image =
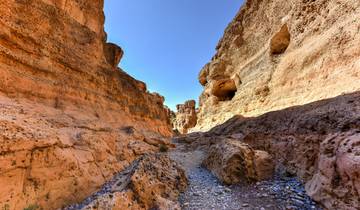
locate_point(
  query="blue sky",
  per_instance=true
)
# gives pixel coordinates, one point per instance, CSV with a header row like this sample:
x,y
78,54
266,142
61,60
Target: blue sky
x,y
167,42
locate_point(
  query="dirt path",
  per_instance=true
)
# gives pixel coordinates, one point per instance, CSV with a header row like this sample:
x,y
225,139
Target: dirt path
x,y
205,192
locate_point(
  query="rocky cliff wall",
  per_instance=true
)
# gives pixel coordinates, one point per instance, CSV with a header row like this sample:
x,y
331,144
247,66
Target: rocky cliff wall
x,y
70,118
277,54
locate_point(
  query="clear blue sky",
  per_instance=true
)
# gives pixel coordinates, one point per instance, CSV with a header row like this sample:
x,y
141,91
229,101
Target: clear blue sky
x,y
167,42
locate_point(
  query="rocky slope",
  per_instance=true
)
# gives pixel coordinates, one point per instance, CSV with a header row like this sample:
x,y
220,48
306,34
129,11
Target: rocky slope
x,y
151,182
70,119
276,54
318,142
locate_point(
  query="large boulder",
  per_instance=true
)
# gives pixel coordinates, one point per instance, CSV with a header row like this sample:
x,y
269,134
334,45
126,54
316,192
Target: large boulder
x,y
233,162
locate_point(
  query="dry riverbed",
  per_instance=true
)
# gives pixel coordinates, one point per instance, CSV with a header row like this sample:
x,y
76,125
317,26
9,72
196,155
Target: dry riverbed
x,y
205,192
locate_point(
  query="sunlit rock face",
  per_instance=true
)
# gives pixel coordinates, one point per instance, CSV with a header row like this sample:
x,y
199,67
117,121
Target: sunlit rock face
x,y
277,54
185,117
69,118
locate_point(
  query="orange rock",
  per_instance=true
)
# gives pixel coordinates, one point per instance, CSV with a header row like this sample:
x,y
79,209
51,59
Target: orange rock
x,y
69,118
153,182
185,117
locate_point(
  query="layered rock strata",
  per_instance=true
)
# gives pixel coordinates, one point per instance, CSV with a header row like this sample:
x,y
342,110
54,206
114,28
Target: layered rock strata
x,y
70,118
317,142
185,117
276,54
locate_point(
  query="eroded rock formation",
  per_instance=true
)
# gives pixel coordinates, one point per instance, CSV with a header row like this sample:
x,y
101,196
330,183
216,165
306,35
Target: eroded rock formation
x,y
69,118
277,54
185,117
152,182
317,142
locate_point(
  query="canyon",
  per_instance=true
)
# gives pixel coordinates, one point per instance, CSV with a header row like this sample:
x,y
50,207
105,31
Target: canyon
x,y
280,110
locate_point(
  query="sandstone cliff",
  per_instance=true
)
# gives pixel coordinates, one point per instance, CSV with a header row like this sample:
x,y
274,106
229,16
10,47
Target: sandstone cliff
x,y
185,117
69,118
277,54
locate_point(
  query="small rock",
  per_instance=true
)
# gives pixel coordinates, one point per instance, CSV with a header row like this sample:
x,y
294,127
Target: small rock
x,y
245,205
227,190
196,194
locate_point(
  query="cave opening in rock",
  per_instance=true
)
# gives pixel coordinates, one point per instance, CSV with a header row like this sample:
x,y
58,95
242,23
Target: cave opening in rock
x,y
224,89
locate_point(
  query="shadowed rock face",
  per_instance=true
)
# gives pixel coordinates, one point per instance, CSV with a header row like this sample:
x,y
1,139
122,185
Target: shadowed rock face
x,y
282,53
69,118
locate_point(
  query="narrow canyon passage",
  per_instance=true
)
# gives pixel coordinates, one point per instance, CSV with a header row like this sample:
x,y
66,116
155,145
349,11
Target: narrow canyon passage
x,y
205,192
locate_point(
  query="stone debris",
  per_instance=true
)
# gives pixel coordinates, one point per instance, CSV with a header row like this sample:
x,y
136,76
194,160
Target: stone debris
x,y
206,192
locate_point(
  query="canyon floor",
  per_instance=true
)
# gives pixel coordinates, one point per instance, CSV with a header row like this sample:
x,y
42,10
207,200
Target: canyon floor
x,y
206,192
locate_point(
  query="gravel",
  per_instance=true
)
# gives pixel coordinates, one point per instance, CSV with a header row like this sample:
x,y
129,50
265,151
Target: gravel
x,y
205,192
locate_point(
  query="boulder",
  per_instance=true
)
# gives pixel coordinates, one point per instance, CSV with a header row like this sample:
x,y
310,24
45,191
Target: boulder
x,y
113,54
233,162
203,75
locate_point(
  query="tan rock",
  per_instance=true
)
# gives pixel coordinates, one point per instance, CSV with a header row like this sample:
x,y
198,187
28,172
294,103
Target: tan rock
x,y
234,162
203,75
281,40
286,53
185,117
153,182
224,89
